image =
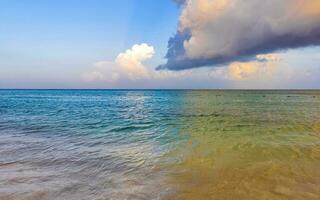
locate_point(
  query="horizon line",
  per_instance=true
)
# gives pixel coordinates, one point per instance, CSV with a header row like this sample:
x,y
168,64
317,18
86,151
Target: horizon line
x,y
126,89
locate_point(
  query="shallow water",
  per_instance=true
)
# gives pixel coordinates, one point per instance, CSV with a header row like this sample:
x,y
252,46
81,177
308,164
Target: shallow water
x,y
112,144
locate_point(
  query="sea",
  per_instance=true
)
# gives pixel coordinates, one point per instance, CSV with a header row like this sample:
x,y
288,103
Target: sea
x,y
159,144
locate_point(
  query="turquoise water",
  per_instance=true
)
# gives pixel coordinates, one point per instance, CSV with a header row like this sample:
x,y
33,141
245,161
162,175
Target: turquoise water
x,y
158,144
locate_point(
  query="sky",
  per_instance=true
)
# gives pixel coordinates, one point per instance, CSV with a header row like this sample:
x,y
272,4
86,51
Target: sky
x,y
161,44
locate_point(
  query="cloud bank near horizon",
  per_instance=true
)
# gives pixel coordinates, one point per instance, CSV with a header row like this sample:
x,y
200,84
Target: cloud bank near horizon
x,y
291,69
220,32
129,66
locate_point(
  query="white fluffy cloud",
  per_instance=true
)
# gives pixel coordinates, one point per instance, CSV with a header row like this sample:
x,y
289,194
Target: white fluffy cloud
x,y
127,65
131,61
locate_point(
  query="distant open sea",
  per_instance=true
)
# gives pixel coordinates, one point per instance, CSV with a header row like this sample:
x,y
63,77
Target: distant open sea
x,y
159,144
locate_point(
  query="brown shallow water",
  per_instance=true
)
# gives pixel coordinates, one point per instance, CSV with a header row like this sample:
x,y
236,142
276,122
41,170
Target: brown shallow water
x,y
249,146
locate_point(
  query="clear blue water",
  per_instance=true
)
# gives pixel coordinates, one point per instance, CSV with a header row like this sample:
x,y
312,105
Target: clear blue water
x,y
113,144
72,143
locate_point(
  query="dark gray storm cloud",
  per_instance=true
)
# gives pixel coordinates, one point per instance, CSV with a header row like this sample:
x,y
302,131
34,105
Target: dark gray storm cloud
x,y
217,32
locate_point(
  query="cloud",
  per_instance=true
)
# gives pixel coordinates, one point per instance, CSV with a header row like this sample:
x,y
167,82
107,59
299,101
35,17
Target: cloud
x,y
131,60
127,65
262,68
291,69
105,71
217,32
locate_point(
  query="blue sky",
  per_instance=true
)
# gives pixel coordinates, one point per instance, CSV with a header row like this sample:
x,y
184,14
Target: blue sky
x,y
57,44
41,38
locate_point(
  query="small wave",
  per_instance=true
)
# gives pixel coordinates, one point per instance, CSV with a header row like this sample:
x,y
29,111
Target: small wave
x,y
130,128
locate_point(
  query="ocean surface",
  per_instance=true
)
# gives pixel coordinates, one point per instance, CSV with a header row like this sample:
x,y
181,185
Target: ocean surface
x,y
159,144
